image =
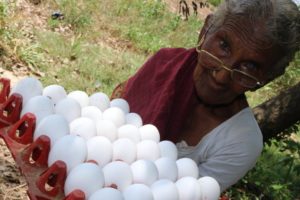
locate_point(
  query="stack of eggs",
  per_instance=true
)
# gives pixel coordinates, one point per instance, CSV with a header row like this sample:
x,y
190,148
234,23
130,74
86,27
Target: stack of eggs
x,y
108,151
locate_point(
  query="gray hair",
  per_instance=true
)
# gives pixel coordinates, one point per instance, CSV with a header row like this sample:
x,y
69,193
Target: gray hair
x,y
281,19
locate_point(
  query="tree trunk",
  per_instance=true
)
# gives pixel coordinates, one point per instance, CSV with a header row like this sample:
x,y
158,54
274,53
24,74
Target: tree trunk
x,y
279,113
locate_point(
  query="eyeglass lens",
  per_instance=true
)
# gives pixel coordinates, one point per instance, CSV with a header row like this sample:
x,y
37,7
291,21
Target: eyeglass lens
x,y
242,78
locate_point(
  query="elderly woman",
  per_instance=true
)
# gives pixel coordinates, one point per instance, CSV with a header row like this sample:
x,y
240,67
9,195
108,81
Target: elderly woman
x,y
195,97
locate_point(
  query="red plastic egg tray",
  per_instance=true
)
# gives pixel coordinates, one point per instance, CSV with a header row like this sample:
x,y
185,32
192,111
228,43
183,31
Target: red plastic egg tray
x,y
44,183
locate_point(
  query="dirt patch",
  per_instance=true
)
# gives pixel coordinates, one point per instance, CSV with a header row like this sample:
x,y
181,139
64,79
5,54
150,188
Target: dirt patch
x,y
12,183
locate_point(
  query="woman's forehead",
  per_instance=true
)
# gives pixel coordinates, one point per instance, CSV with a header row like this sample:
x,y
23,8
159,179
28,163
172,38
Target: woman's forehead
x,y
253,35
253,38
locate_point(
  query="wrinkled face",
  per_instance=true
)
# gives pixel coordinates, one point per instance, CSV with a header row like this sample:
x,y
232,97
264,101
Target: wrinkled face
x,y
239,46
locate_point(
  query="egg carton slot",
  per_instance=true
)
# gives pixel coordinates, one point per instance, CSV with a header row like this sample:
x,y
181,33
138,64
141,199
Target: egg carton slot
x,y
44,183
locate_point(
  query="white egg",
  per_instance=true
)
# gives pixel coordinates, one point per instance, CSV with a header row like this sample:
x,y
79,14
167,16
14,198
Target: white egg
x,y
70,149
188,188
54,126
100,150
69,108
114,114
210,188
81,97
149,132
106,194
120,103
28,88
134,119
164,189
55,93
187,167
100,100
84,127
137,192
92,112
144,171
107,129
124,150
129,131
147,149
117,174
168,149
87,177
40,106
167,168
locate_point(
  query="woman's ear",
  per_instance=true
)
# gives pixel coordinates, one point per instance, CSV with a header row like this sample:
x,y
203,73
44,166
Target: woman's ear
x,y
205,27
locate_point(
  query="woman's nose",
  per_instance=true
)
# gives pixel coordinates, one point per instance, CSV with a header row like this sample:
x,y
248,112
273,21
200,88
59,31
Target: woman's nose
x,y
222,76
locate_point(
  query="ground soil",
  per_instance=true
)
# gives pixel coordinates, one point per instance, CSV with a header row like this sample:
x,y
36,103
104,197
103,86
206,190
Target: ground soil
x,y
12,183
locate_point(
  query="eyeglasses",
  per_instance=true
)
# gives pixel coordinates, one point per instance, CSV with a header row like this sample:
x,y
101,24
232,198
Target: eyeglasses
x,y
238,76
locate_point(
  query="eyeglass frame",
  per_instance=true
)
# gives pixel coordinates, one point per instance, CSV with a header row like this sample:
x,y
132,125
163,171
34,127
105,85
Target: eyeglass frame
x,y
223,66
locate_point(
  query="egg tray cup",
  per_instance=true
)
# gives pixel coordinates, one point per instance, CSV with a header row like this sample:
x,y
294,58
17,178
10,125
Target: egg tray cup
x,y
44,183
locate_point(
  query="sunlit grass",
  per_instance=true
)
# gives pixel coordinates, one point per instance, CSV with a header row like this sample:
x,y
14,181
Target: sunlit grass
x,y
85,66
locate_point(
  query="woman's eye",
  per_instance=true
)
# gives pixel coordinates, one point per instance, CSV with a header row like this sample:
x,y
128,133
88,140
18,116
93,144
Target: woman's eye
x,y
224,45
248,66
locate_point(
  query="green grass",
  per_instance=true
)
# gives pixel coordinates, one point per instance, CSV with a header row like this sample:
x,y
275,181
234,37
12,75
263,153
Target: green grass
x,y
214,2
77,13
85,66
149,26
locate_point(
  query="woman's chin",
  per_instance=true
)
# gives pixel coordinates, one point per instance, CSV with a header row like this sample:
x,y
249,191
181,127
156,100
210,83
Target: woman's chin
x,y
213,99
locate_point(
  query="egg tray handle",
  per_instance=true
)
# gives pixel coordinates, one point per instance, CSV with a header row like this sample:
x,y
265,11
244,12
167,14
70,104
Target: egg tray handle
x,y
44,183
5,89
10,106
10,110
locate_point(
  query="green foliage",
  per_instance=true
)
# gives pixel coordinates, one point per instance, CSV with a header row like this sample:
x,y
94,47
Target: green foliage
x,y
2,17
59,46
276,175
96,74
151,9
215,2
30,55
5,32
150,26
83,66
158,33
53,23
77,13
2,25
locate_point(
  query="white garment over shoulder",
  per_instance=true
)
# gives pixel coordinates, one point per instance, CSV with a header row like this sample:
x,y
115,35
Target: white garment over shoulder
x,y
229,151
